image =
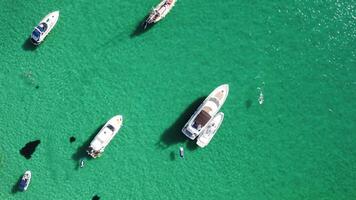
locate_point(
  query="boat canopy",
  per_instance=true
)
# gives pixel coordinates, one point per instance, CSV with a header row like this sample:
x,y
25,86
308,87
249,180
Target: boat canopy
x,y
36,34
200,121
23,183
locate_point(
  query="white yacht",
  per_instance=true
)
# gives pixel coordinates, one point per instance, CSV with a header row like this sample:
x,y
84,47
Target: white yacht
x,y
160,11
25,181
204,138
105,135
44,27
206,111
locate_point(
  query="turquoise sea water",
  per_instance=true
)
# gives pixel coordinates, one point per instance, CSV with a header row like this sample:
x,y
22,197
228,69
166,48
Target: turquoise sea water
x,y
299,144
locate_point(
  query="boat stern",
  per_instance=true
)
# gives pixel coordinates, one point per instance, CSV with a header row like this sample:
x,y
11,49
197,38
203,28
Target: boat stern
x,y
201,144
34,42
93,153
188,131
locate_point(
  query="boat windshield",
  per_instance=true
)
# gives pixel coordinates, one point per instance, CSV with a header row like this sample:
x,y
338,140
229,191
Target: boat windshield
x,y
42,27
215,100
111,127
200,121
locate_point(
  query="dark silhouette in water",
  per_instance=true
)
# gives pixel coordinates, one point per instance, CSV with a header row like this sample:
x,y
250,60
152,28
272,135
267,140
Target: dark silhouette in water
x,y
72,139
29,148
37,86
191,145
28,46
173,134
172,155
15,187
141,27
96,197
81,151
248,103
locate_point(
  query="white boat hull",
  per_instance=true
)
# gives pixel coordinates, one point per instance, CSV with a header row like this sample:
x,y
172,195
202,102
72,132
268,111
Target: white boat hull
x,y
49,22
209,108
205,138
25,181
160,11
104,136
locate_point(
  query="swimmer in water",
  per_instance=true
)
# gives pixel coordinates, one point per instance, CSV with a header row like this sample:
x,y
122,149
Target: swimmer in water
x,y
81,163
181,152
261,97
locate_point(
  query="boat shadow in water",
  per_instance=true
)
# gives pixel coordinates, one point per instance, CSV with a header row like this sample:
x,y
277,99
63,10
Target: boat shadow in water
x,y
141,28
28,46
248,103
173,134
172,155
192,145
81,151
15,187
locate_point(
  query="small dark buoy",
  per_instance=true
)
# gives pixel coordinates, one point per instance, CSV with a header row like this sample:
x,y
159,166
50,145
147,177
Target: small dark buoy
x,y
181,152
96,197
72,139
29,148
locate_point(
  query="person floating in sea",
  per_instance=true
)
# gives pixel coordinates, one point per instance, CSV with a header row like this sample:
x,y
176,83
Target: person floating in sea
x,y
81,164
261,97
181,152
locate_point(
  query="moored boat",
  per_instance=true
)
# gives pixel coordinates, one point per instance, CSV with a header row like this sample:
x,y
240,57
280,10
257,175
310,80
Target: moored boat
x,y
41,31
159,12
25,181
104,136
208,134
205,112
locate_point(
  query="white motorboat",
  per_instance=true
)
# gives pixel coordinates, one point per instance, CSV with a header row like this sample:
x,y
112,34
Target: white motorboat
x,y
204,138
160,11
44,27
105,135
206,111
25,181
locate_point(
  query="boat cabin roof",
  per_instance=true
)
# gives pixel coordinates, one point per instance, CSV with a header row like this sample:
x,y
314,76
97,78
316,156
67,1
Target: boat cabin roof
x,y
105,135
202,118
